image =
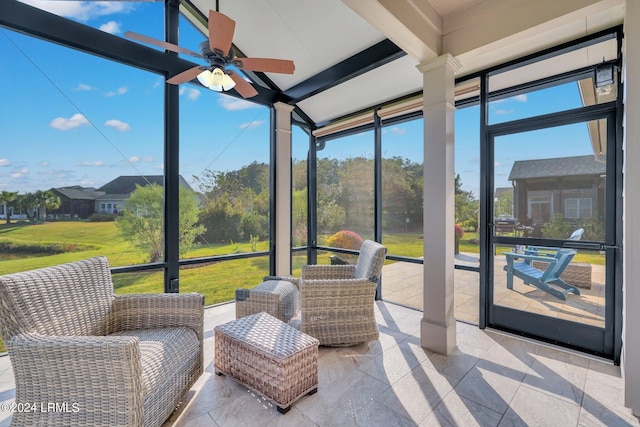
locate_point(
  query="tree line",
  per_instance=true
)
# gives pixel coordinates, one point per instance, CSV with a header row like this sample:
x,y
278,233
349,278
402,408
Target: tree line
x,y
235,205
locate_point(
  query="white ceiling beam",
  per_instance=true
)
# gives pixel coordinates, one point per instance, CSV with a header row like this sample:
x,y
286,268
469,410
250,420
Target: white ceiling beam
x,y
413,25
507,21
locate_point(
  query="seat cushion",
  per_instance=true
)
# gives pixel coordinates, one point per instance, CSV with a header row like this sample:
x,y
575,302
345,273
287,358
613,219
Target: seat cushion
x,y
164,353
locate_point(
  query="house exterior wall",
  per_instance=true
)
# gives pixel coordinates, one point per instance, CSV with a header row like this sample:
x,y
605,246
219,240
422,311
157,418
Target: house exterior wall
x,y
111,206
72,209
557,192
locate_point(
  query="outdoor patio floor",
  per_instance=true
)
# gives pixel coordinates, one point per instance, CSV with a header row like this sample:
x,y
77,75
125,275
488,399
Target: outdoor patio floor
x,y
402,283
491,379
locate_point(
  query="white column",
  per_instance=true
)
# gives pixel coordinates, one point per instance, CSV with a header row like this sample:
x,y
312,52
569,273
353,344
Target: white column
x,y
438,326
631,209
282,233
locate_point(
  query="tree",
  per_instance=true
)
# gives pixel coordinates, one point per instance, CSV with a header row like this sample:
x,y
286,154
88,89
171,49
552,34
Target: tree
x,y
46,200
27,203
142,220
466,205
236,203
8,199
504,204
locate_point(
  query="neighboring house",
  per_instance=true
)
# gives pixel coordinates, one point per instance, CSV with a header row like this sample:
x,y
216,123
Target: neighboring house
x,y
79,202
76,202
116,192
572,186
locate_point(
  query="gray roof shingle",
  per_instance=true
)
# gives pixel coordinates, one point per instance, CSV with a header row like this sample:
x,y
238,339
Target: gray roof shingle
x,y
127,184
557,167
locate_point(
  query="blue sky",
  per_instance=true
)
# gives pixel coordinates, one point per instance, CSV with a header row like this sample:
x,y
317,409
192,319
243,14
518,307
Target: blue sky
x,y
69,118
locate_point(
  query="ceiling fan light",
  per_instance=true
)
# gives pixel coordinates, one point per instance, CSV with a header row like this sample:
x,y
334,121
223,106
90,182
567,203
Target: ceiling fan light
x,y
217,88
227,82
217,77
205,78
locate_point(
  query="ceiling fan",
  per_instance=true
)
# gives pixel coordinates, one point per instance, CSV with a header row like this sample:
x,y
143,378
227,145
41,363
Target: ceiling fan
x,y
219,53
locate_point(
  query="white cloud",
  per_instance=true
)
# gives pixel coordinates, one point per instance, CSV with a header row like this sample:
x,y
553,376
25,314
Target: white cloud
x,y
117,124
81,10
96,163
120,91
111,27
44,164
159,167
191,93
521,98
133,159
4,162
503,111
19,173
235,104
251,125
398,130
148,159
496,164
72,122
83,87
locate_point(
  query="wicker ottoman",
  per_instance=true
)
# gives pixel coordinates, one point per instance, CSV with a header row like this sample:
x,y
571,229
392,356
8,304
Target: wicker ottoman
x,y
279,298
268,356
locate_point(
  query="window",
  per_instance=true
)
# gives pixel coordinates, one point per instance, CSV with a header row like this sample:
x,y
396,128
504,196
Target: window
x,y
539,208
578,208
345,190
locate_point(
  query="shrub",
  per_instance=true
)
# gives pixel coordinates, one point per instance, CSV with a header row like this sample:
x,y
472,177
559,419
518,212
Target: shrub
x,y
43,248
345,239
102,217
470,225
593,229
557,228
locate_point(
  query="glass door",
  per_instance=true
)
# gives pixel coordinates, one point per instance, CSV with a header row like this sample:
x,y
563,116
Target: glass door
x,y
552,235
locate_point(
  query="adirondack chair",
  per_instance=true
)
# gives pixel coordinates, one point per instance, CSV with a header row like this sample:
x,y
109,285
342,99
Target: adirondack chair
x,y
519,265
549,280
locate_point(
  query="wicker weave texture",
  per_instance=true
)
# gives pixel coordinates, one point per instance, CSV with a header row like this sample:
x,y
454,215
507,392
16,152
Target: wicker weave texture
x,y
279,298
61,353
267,356
337,304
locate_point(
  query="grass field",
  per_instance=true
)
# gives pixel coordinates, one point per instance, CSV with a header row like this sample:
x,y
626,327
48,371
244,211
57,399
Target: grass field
x,y
216,281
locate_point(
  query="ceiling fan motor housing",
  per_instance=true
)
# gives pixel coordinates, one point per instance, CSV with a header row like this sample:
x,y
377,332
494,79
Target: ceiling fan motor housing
x,y
215,57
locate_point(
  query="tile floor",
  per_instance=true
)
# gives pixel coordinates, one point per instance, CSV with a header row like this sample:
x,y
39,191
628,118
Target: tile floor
x,y
490,380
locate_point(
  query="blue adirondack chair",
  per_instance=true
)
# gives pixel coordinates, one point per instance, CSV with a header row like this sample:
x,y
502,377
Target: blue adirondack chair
x,y
548,280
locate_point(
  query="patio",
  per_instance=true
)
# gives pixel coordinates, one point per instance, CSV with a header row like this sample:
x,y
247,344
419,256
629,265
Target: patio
x,y
403,284
491,379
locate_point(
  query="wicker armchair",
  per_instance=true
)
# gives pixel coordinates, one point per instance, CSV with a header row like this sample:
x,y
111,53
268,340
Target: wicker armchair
x,y
337,300
104,359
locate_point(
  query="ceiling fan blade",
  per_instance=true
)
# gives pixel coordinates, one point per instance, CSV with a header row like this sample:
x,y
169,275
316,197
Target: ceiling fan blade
x,y
221,29
185,76
165,45
267,65
243,87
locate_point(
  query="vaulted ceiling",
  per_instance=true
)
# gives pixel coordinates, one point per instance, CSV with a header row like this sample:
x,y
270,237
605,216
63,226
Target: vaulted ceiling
x,y
351,55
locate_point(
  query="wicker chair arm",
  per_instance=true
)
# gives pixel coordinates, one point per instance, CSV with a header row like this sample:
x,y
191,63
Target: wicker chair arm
x,y
92,375
328,272
146,311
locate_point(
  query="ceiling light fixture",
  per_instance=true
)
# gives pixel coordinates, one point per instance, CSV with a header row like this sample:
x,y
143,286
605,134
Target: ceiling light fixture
x,y
216,80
